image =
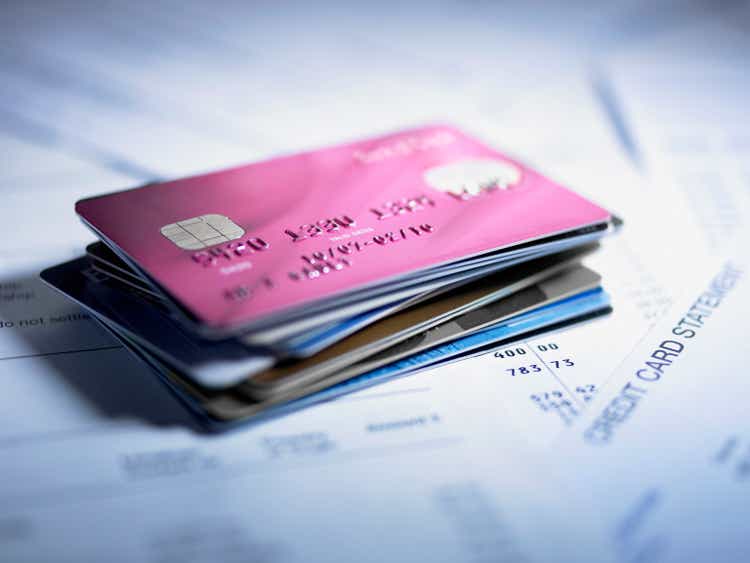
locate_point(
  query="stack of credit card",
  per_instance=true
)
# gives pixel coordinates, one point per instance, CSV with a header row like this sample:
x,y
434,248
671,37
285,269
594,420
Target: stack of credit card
x,y
266,287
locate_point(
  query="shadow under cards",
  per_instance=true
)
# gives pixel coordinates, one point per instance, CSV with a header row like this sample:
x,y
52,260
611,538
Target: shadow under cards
x,y
37,324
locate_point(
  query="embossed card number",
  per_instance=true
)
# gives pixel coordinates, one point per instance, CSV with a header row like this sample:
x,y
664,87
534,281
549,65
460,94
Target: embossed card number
x,y
323,226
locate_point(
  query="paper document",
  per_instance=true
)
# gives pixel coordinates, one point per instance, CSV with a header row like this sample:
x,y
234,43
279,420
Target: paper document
x,y
661,456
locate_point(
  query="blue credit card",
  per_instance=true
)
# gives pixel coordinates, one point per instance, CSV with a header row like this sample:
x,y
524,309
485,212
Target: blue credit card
x,y
573,309
562,311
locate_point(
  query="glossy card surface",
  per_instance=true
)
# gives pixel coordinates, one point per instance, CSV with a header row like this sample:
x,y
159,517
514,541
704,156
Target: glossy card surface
x,y
213,364
223,409
238,245
525,286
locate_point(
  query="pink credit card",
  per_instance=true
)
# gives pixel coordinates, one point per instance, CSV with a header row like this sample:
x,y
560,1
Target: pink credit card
x,y
242,245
